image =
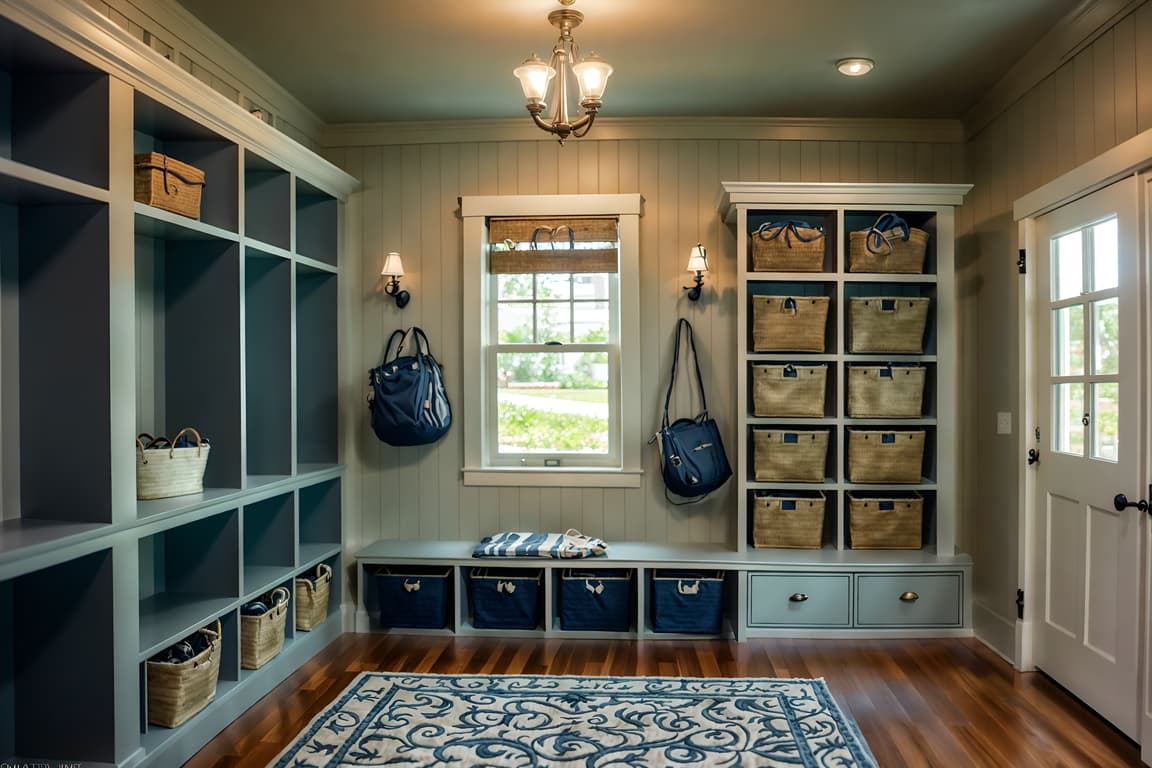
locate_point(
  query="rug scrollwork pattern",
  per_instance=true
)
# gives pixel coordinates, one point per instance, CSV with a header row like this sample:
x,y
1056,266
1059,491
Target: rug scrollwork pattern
x,y
521,721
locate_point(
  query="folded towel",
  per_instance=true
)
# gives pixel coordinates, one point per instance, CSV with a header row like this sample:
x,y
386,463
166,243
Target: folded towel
x,y
569,544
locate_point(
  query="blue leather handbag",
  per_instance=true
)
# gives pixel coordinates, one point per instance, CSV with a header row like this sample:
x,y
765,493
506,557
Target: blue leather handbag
x,y
407,400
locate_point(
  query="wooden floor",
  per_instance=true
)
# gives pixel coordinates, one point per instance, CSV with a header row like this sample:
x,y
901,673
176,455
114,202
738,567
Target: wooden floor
x,y
934,702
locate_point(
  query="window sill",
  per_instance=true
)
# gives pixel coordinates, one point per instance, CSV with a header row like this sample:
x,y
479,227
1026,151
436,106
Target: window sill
x,y
547,477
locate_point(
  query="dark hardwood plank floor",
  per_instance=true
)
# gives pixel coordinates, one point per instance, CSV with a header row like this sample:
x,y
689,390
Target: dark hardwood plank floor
x,y
937,702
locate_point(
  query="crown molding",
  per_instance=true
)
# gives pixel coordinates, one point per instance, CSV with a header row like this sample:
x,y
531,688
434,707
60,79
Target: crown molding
x,y
649,128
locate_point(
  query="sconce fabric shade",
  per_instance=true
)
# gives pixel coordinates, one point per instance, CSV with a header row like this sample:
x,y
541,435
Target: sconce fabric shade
x,y
393,266
698,259
593,247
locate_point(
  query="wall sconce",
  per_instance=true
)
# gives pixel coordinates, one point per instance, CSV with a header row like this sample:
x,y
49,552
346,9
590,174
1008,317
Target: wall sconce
x,y
394,270
698,263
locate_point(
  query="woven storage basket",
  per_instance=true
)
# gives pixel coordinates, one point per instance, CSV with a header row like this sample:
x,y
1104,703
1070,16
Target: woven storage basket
x,y
170,471
789,390
790,456
178,691
885,522
312,599
788,520
885,391
896,255
167,183
887,323
789,324
885,457
262,637
788,246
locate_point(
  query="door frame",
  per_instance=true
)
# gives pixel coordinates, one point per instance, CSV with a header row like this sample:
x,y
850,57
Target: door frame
x,y
1132,158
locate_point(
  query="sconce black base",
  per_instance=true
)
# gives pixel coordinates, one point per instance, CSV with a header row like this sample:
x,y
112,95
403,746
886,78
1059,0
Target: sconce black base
x,y
401,298
694,290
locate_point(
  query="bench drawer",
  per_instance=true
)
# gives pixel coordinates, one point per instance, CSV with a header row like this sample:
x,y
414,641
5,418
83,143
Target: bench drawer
x,y
909,600
799,599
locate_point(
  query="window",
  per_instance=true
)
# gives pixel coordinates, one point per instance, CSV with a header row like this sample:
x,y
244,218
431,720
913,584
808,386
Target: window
x,y
551,315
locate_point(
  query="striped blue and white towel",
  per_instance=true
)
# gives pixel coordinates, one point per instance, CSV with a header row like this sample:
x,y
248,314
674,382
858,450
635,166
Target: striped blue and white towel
x,y
570,544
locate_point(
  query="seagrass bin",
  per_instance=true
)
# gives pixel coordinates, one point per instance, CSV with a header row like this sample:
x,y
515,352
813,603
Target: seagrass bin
x,y
163,470
789,390
262,637
165,182
792,520
312,599
789,456
891,253
789,324
885,391
890,521
885,457
788,246
887,323
176,692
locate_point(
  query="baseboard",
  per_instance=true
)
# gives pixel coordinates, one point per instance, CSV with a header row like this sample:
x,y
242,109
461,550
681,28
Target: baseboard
x,y
995,631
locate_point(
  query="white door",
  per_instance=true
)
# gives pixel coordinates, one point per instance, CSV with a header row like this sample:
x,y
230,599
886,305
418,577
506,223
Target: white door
x,y
1088,372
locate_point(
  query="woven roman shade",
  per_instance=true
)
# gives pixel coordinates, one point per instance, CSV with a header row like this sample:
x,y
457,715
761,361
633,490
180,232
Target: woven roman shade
x,y
553,245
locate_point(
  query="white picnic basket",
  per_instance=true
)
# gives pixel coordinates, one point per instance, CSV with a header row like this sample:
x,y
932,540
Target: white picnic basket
x,y
170,471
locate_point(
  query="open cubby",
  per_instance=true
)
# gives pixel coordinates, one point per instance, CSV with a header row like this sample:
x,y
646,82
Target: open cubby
x,y
796,289
188,575
855,289
268,363
928,409
188,346
316,368
856,221
319,526
267,202
928,514
796,425
54,362
829,527
316,223
59,627
799,360
815,218
159,128
45,94
269,543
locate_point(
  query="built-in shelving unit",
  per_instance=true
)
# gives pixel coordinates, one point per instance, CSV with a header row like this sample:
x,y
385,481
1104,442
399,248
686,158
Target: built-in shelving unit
x,y
118,318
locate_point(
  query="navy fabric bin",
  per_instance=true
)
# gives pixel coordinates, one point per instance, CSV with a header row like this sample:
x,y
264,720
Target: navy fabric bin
x,y
687,601
414,597
596,600
506,598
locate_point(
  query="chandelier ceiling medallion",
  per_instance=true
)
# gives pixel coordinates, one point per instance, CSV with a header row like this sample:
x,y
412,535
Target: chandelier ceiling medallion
x,y
591,73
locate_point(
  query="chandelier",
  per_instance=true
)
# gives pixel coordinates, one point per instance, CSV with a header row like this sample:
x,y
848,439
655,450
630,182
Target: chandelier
x,y
591,73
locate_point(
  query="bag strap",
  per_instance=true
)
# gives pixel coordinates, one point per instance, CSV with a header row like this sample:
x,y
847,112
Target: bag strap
x,y
681,325
791,228
388,356
877,241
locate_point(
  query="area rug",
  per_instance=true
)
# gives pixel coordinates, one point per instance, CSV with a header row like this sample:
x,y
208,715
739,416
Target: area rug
x,y
409,720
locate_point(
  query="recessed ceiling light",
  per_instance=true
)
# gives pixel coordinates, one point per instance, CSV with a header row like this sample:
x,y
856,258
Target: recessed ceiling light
x,y
855,67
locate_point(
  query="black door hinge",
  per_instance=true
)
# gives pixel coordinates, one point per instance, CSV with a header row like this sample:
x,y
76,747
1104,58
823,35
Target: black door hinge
x,y
1020,604
1022,262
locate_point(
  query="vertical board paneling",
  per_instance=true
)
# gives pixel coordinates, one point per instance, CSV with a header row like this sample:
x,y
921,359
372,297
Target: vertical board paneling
x,y
1083,112
791,161
407,485
432,323
381,516
769,161
1143,95
1124,38
451,452
810,160
869,161
1065,79
1104,91
469,495
850,161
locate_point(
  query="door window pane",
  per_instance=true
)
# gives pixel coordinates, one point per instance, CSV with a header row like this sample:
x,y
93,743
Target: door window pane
x,y
552,402
1068,412
1068,341
1068,266
1105,256
1106,336
1106,421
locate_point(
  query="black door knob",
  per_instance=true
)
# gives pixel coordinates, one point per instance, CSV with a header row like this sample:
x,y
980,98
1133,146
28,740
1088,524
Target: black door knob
x,y
1120,501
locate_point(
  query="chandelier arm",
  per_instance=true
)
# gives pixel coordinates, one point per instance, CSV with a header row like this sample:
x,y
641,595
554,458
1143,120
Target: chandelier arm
x,y
585,123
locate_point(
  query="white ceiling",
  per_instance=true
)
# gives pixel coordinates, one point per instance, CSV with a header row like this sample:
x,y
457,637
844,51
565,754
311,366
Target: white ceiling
x,y
400,60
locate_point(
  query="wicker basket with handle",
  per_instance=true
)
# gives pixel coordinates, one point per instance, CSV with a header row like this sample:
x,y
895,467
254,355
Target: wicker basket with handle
x,y
885,457
165,470
885,391
176,692
788,246
165,182
262,637
792,520
889,246
789,324
888,521
789,390
790,456
312,599
887,323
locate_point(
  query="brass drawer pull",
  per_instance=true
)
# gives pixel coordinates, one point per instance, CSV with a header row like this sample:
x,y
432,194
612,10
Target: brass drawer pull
x,y
909,597
799,597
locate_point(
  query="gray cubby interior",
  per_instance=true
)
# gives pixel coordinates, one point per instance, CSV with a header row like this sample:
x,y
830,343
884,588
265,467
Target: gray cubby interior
x,y
54,303
319,519
859,289
316,223
267,200
855,221
268,363
269,543
187,573
188,346
316,367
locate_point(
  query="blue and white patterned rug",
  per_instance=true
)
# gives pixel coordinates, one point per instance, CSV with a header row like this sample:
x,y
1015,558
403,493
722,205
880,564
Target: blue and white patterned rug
x,y
409,720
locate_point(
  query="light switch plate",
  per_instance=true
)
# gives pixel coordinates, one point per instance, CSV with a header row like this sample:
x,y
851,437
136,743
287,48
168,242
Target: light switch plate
x,y
1003,422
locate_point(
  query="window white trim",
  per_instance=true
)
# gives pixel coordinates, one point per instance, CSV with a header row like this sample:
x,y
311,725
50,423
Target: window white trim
x,y
476,287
